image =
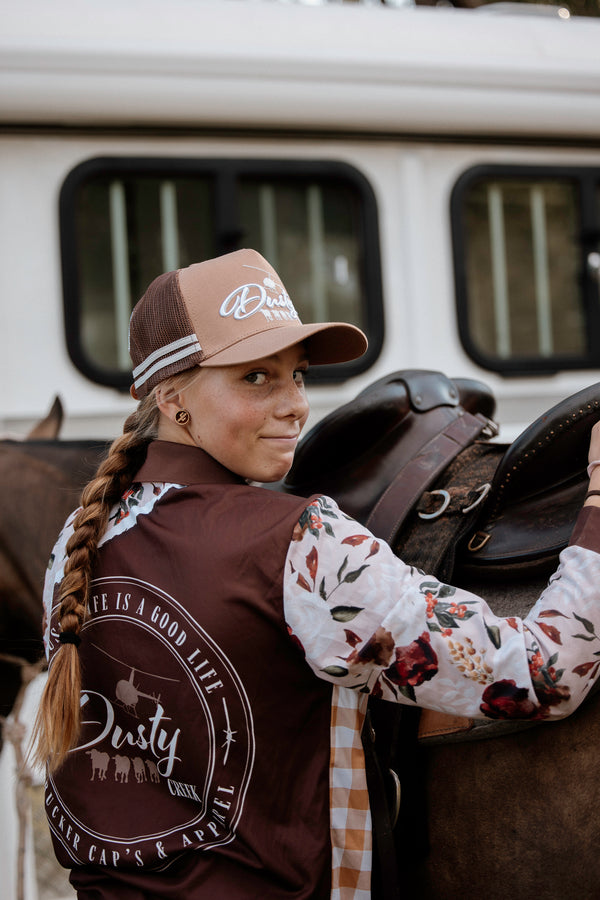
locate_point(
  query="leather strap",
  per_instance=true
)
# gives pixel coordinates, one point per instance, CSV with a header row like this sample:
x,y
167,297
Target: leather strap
x,y
436,724
389,513
386,877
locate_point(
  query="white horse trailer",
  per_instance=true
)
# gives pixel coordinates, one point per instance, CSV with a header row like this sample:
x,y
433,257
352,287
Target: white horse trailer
x,y
431,174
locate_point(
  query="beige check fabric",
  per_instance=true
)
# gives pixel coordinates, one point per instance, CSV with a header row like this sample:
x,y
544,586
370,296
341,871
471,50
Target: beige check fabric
x,y
351,832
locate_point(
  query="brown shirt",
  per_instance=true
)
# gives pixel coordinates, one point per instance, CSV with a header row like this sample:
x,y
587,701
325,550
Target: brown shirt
x,y
202,769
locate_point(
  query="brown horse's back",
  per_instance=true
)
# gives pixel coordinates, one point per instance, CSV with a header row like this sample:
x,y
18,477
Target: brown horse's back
x,y
515,817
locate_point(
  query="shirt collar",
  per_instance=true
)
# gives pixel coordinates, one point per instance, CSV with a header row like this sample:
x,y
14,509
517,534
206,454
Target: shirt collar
x,y
173,463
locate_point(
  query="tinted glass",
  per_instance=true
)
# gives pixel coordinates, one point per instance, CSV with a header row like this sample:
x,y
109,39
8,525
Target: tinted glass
x,y
125,222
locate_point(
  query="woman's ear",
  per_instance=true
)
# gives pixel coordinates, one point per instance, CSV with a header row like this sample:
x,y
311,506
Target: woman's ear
x,y
168,402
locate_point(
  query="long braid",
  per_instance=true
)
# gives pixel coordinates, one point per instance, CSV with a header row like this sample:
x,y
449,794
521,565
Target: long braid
x,y
58,721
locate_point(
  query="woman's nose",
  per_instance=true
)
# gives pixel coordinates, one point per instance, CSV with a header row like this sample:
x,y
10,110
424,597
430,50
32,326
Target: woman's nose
x,y
293,401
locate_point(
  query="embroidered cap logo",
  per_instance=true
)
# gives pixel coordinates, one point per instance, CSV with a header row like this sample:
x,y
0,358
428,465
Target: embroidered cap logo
x,y
249,299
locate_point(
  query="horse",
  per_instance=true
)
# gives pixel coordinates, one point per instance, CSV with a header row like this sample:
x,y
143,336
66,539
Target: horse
x,y
488,809
41,480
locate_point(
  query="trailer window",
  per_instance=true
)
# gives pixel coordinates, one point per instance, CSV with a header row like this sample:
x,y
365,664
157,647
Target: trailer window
x,y
525,241
124,221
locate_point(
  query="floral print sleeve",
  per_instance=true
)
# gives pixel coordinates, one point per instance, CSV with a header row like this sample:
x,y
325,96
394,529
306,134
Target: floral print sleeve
x,y
367,621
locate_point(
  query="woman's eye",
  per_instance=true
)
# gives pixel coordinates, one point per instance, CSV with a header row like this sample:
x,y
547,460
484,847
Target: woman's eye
x,y
256,377
300,376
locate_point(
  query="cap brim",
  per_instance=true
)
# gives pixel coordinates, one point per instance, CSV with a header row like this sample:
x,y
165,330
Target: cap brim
x,y
328,343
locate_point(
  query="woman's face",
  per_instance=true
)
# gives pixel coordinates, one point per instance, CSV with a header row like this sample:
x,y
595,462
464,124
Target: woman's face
x,y
249,417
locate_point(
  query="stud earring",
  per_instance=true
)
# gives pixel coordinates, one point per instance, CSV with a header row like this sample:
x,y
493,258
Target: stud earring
x,y
182,417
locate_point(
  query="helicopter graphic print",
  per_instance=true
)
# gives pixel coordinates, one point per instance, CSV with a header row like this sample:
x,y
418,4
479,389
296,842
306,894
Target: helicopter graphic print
x,y
127,692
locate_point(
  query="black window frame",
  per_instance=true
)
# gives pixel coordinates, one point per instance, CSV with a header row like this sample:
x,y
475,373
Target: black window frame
x,y
587,181
225,171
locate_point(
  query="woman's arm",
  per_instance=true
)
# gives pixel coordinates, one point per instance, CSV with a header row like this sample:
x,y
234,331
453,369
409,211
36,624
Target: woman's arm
x,y
367,621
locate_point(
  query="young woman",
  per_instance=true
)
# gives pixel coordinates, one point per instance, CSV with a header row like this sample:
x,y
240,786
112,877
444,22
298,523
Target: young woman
x,y
213,643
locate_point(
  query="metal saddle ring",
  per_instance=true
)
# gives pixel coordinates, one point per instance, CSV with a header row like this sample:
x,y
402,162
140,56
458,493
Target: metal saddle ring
x,y
483,490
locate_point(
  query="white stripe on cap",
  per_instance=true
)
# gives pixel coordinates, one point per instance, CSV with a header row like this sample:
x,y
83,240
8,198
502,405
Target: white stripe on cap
x,y
165,356
168,348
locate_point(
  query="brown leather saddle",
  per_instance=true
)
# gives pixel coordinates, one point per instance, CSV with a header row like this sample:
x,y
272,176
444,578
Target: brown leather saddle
x,y
411,458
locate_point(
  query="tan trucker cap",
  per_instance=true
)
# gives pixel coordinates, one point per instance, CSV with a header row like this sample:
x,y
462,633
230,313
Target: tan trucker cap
x,y
224,311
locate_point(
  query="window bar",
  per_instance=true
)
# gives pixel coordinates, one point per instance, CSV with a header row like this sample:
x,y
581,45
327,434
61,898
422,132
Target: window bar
x,y
541,273
268,223
120,270
316,252
169,229
499,271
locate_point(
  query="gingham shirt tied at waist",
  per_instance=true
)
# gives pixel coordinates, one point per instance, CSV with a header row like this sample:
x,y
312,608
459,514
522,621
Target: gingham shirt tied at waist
x,y
350,814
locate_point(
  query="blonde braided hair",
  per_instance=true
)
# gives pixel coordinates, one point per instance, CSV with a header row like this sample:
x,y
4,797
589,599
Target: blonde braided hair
x,y
58,721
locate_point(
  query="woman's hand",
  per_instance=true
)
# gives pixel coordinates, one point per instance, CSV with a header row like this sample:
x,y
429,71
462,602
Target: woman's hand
x,y
593,456
594,452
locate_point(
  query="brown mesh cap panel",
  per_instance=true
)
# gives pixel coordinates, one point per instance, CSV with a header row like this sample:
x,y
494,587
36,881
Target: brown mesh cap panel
x,y
162,340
